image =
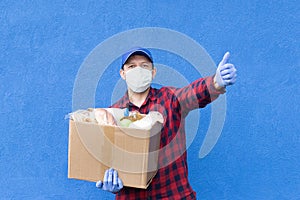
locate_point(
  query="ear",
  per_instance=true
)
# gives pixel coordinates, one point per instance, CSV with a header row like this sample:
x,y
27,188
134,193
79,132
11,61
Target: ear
x,y
122,74
153,72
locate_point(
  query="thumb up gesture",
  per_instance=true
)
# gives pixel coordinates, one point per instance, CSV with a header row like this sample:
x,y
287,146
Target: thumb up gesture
x,y
226,73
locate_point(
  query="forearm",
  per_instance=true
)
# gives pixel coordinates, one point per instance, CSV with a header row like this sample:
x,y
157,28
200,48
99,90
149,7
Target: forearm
x,y
198,94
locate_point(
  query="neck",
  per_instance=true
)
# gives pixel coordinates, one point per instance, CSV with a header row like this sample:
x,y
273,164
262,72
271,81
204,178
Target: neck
x,y
137,98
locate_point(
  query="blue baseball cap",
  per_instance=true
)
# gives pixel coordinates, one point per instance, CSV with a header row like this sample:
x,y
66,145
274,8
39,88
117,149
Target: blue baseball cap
x,y
136,51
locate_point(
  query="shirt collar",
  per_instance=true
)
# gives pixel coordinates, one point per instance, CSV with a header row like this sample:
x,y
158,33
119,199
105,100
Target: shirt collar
x,y
150,96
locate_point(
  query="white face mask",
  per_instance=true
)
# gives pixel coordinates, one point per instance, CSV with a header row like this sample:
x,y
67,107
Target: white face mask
x,y
138,79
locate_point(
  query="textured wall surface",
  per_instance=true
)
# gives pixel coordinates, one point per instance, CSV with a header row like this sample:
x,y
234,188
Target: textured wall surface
x,y
43,43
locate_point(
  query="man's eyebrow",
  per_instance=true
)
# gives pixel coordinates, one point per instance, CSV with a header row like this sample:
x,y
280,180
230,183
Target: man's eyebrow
x,y
130,63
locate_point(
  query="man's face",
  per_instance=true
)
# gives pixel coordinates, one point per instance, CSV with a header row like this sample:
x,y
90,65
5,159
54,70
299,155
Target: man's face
x,y
137,61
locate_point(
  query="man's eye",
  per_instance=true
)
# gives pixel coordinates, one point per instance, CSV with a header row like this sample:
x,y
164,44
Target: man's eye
x,y
131,66
145,66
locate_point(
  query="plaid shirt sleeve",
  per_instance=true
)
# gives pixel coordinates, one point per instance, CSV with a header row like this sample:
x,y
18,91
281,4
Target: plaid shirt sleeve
x,y
195,95
171,180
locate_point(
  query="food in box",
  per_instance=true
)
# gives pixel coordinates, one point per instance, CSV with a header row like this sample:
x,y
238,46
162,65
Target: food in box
x,y
131,146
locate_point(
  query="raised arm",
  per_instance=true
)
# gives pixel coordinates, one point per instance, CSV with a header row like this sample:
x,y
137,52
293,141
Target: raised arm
x,y
204,90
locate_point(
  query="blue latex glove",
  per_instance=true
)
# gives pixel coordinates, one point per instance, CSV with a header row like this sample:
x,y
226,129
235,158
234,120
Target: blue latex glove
x,y
111,181
226,72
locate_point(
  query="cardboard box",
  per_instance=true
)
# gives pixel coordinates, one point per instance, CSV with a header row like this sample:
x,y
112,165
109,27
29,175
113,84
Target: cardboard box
x,y
95,148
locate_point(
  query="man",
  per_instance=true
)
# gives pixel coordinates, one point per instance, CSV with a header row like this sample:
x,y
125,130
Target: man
x,y
171,180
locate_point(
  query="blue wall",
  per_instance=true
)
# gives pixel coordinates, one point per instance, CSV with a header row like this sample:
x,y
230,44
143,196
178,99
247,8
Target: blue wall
x,y
43,43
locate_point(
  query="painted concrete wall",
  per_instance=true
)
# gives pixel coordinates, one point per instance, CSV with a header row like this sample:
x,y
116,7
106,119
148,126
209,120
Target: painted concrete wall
x,y
43,44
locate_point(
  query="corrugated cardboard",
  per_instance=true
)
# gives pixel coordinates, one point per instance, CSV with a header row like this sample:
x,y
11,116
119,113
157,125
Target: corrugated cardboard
x,y
95,148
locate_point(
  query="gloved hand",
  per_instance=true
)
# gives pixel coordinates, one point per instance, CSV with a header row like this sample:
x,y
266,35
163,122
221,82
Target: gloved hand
x,y
111,181
226,72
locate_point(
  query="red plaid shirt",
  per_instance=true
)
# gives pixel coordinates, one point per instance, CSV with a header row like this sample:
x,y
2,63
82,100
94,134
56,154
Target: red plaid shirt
x,y
171,180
